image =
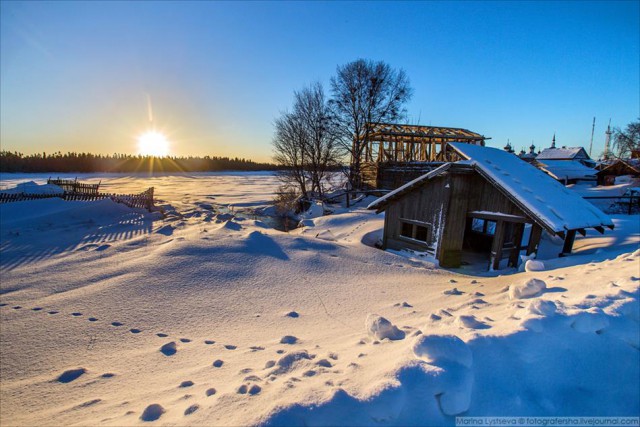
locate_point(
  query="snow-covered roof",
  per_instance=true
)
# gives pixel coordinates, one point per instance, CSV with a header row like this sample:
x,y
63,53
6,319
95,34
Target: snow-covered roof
x,y
542,197
565,153
548,202
567,169
631,164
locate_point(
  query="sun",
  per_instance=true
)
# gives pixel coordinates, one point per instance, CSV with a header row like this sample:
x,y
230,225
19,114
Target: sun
x,y
153,143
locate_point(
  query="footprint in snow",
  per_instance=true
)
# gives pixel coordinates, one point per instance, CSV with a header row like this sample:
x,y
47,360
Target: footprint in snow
x,y
210,392
17,307
230,347
253,390
169,349
218,363
403,304
288,339
185,340
135,331
36,308
3,304
71,375
292,314
185,384
209,342
453,291
108,375
76,314
152,412
324,363
256,348
191,409
53,312
161,335
116,324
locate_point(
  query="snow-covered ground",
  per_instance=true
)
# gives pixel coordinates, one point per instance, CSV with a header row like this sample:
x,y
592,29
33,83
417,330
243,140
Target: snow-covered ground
x,y
114,316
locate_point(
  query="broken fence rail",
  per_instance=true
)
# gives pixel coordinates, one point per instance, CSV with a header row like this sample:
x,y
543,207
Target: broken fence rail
x,y
73,186
622,200
143,200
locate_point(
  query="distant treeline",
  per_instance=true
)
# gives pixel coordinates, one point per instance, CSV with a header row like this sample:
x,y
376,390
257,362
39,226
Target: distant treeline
x,y
86,162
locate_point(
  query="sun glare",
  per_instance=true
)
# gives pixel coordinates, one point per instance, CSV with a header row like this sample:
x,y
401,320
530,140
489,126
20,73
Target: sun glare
x,y
153,143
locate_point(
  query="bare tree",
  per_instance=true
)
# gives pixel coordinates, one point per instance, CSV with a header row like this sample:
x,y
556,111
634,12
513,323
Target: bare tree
x,y
289,144
628,140
321,148
305,142
365,91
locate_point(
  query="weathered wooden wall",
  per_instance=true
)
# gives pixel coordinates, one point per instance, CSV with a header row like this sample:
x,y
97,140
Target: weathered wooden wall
x,y
444,202
426,204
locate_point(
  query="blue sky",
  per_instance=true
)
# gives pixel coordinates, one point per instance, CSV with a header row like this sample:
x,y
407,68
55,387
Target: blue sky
x,y
75,76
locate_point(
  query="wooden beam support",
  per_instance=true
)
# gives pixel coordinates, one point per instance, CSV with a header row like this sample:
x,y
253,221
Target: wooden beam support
x,y
496,246
534,239
517,241
600,229
568,242
582,232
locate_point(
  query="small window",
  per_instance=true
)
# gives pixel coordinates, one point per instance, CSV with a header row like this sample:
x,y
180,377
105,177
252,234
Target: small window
x,y
407,230
421,233
483,226
491,227
477,225
415,230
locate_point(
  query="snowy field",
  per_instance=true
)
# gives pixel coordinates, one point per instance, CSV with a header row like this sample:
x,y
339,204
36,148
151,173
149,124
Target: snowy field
x,y
114,316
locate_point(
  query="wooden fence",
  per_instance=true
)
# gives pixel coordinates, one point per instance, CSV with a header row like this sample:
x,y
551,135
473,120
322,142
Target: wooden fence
x,y
143,200
73,186
624,203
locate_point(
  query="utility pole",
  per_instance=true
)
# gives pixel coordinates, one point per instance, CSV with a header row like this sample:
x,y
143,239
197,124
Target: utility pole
x,y
593,127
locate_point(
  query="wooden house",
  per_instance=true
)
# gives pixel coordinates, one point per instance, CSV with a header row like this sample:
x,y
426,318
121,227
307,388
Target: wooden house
x,y
577,154
607,174
567,171
490,203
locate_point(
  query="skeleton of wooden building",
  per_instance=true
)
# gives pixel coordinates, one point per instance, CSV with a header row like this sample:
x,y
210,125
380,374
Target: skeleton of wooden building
x,y
486,200
400,148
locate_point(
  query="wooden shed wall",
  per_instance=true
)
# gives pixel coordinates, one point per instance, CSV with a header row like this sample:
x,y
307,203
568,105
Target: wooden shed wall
x,y
428,204
444,202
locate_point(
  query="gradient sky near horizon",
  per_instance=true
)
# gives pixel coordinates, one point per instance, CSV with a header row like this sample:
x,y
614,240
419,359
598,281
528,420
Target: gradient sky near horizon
x,y
76,76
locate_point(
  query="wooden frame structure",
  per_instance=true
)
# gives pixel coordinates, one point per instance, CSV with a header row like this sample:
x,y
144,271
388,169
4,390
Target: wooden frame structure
x,y
412,143
393,152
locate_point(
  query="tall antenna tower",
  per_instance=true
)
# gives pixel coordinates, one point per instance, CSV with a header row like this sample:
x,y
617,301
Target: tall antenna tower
x,y
607,140
593,128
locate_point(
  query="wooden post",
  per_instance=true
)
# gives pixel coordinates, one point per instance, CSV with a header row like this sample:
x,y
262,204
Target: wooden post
x,y
496,247
534,239
517,241
568,242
